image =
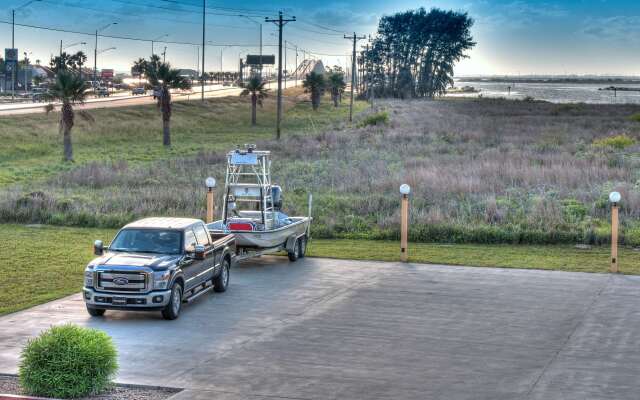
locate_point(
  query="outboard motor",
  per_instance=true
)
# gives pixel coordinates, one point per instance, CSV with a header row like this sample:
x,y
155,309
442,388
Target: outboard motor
x,y
276,197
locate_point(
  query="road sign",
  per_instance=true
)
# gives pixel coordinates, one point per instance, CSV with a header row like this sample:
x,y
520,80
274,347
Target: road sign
x,y
255,60
106,74
11,54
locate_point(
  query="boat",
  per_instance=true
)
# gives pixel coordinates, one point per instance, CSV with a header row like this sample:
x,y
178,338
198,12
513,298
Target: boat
x,y
252,208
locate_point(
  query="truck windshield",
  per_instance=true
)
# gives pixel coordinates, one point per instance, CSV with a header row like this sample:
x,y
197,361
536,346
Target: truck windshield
x,y
148,241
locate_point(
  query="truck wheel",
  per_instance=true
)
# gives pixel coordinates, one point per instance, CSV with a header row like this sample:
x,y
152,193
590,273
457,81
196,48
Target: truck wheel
x,y
221,281
95,312
172,310
303,247
293,255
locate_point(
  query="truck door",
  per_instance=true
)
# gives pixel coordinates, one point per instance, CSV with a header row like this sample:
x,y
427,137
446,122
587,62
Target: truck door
x,y
191,267
207,270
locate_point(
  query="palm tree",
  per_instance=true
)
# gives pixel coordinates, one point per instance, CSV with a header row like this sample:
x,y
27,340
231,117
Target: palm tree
x,y
69,89
337,85
78,60
255,88
314,84
139,67
160,74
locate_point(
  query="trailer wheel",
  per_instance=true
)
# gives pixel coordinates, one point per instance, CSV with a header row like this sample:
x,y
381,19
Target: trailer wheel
x,y
295,254
303,247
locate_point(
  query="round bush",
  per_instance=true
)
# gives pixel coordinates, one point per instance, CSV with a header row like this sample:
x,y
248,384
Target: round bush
x,y
68,361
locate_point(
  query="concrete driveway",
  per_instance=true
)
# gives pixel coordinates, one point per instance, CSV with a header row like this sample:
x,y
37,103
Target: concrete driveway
x,y
330,329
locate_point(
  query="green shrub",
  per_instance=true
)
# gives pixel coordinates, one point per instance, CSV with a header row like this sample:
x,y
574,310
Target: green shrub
x,y
379,118
618,142
635,117
573,210
68,361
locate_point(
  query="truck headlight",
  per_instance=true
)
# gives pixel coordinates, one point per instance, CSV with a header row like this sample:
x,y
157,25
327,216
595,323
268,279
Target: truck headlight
x,y
161,279
88,278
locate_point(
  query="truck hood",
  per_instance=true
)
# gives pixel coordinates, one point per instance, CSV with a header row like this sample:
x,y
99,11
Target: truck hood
x,y
154,261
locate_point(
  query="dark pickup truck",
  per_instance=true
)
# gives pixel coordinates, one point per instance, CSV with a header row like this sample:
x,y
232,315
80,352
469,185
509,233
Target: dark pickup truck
x,y
157,264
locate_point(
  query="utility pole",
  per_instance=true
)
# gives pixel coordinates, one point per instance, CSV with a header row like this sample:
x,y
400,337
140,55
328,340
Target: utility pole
x,y
285,63
281,22
95,52
204,15
355,38
296,66
164,54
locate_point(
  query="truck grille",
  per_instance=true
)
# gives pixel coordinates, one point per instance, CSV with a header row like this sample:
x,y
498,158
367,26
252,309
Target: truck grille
x,y
122,281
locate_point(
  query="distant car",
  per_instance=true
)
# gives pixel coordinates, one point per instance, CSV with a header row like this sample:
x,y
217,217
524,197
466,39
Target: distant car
x,y
39,97
102,92
138,90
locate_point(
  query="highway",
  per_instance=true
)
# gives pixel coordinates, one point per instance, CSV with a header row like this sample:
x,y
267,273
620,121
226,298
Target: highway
x,y
125,100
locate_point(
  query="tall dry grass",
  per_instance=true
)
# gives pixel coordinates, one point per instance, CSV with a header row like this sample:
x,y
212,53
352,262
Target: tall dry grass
x,y
481,170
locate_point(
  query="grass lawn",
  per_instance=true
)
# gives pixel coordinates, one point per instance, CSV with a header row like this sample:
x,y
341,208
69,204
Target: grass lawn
x,y
39,264
552,257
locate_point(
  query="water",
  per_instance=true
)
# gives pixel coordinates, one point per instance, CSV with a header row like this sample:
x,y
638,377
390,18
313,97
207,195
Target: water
x,y
554,92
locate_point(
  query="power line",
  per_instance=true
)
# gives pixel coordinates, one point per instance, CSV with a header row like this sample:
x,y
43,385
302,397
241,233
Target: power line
x,y
127,15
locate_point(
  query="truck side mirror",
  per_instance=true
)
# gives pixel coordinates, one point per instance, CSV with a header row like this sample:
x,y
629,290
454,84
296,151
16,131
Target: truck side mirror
x,y
199,252
98,248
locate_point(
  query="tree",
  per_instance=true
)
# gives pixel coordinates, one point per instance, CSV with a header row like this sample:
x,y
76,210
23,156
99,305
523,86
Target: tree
x,y
415,51
256,88
314,84
37,80
160,74
76,61
139,67
336,83
69,89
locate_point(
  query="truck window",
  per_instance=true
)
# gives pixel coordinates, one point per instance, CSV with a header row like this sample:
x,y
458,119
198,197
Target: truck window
x,y
201,234
189,241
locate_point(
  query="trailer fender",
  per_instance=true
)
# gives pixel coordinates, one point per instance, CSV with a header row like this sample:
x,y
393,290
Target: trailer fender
x,y
291,242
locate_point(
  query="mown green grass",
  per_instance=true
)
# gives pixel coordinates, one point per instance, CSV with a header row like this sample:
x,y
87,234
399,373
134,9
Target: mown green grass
x,y
42,263
32,145
552,257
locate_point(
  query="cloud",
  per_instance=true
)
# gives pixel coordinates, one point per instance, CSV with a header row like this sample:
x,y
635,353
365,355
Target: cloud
x,y
342,15
517,14
621,28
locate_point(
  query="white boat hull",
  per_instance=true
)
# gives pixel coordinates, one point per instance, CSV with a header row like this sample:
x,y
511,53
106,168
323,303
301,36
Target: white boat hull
x,y
269,238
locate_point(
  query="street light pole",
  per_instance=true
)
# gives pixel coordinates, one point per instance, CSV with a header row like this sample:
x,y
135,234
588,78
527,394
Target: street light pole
x,y
155,40
95,52
204,15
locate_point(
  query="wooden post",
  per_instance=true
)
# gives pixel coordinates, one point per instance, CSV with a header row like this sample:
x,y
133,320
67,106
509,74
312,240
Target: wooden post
x,y
614,238
404,227
210,205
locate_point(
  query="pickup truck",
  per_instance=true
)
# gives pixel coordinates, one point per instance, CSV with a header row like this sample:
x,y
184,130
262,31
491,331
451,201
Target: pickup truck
x,y
157,264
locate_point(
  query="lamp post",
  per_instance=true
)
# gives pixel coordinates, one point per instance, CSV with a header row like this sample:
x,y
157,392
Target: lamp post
x,y
26,68
221,51
404,221
210,182
95,51
156,39
614,198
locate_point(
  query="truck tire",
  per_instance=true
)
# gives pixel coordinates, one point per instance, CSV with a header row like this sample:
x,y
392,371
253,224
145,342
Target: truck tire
x,y
172,310
221,281
95,312
303,247
293,255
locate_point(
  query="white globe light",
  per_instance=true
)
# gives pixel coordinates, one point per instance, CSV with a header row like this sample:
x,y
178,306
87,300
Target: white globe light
x,y
405,189
614,197
210,182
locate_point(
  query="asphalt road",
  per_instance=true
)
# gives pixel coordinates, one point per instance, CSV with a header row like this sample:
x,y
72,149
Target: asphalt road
x,y
329,329
211,91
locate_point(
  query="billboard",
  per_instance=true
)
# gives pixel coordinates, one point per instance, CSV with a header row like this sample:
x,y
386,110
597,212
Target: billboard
x,y
106,74
255,60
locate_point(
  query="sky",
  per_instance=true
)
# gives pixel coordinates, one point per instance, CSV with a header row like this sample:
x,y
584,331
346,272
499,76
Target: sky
x,y
514,37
